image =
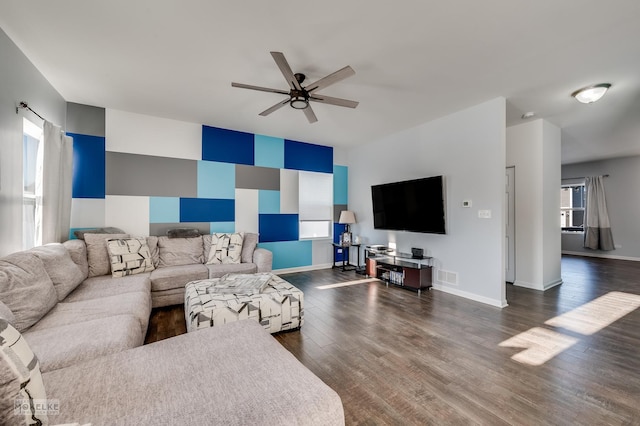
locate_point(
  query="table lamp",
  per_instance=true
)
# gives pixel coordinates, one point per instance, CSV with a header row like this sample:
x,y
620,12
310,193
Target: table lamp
x,y
347,217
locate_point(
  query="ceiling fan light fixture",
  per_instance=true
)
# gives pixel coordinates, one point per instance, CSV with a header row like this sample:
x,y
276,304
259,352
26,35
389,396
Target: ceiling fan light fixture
x,y
299,102
591,94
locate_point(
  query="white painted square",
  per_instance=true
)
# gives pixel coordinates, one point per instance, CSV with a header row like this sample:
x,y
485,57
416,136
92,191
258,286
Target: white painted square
x,y
247,210
289,191
87,212
129,213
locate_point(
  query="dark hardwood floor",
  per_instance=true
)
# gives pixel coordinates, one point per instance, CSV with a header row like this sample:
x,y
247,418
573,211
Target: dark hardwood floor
x,y
398,358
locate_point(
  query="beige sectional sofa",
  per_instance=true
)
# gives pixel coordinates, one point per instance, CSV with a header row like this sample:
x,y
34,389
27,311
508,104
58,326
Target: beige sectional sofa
x,y
87,330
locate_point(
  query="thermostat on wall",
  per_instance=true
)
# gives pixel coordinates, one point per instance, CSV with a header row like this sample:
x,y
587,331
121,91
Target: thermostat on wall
x,y
466,203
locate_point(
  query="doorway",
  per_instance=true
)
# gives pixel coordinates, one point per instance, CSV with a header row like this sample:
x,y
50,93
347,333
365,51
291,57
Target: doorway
x,y
510,223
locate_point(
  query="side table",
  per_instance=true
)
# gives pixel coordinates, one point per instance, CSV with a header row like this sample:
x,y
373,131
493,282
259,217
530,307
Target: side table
x,y
346,266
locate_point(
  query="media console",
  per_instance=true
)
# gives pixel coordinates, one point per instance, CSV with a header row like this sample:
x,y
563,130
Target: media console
x,y
399,269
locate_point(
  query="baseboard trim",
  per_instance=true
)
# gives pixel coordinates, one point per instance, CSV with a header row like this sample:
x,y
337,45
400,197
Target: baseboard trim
x,y
302,269
546,286
471,296
601,255
552,284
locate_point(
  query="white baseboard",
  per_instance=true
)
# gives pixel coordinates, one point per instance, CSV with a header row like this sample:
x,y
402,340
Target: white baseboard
x,y
601,255
546,286
553,283
302,269
471,296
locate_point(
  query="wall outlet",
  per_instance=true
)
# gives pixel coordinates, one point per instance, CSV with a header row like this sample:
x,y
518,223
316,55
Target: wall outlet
x,y
484,214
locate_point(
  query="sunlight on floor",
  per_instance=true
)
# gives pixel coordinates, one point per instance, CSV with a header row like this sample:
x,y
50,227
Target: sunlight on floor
x,y
597,314
541,344
345,284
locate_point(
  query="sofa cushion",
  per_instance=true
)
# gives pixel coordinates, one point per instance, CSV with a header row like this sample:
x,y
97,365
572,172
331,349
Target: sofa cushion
x,y
231,375
64,273
135,304
6,313
225,248
97,253
70,344
78,251
80,233
25,287
152,242
177,276
20,379
217,271
174,296
129,256
248,246
180,251
106,285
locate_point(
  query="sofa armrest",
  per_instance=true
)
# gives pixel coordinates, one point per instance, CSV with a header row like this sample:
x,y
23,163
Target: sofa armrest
x,y
263,259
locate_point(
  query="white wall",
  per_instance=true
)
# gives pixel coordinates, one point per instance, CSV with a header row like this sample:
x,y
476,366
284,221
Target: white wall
x,y
623,203
468,148
19,81
534,149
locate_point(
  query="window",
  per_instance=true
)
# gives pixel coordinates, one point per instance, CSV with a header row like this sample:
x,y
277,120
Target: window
x,y
315,198
572,203
31,143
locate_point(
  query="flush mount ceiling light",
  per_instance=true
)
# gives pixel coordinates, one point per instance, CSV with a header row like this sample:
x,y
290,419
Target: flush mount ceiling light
x,y
588,95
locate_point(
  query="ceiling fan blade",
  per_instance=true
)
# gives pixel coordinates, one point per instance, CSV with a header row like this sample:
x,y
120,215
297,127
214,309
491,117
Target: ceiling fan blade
x,y
333,101
262,89
308,111
335,77
286,70
274,108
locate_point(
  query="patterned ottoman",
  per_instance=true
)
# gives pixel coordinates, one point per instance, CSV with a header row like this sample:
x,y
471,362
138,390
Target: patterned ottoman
x,y
273,302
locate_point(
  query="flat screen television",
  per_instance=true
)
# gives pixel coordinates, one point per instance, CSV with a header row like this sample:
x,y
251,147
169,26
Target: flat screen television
x,y
414,205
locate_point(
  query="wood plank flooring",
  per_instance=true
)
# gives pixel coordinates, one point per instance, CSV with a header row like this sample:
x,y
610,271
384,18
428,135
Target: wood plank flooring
x,y
398,358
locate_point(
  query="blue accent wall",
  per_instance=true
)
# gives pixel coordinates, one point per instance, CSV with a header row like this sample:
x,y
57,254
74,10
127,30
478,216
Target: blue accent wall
x,y
88,166
269,151
290,254
227,146
207,210
340,185
309,157
164,209
278,227
216,180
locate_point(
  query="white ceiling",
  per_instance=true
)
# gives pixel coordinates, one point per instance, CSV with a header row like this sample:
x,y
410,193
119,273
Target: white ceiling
x,y
415,60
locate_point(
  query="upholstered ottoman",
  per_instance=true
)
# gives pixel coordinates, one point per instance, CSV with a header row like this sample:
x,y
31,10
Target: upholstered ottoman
x,y
273,302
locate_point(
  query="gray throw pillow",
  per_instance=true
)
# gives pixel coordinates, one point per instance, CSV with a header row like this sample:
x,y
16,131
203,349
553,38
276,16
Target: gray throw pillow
x,y
249,246
26,289
180,251
64,273
97,254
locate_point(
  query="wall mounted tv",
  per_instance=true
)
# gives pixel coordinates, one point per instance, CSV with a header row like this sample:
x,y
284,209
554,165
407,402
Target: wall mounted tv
x,y
414,205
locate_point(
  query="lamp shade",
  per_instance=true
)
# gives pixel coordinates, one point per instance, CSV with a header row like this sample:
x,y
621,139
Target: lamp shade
x,y
347,217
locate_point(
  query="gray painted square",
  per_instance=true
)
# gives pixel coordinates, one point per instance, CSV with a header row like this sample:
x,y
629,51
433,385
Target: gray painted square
x,y
161,229
146,175
85,119
337,209
254,177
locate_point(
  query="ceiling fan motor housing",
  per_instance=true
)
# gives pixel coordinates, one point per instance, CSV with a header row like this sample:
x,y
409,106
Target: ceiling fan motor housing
x,y
299,99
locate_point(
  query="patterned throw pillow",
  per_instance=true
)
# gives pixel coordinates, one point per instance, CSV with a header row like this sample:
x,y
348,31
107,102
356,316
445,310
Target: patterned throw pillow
x,y
129,256
225,248
22,394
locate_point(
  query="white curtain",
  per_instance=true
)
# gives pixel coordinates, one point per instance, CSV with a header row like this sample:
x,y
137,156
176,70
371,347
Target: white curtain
x,y
53,188
597,233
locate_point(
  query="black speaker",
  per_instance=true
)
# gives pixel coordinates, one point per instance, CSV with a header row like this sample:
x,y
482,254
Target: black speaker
x,y
417,253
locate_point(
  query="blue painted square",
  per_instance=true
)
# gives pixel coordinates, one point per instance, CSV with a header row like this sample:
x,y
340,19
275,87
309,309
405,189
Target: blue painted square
x,y
222,227
89,159
216,180
207,210
290,254
268,201
309,157
340,184
338,229
227,146
269,151
278,227
164,209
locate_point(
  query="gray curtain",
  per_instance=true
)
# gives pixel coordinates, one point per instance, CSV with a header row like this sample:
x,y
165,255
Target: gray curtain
x,y
53,197
597,233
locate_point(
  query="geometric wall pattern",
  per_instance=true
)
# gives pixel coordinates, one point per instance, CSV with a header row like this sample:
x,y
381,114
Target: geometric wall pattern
x,y
223,181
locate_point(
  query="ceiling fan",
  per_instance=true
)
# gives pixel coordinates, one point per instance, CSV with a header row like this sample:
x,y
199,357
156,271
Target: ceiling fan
x,y
299,95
